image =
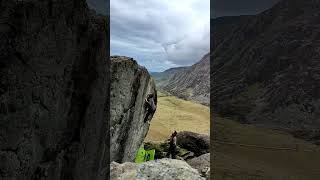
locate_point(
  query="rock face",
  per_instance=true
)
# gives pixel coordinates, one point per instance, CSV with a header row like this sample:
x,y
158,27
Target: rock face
x,y
197,143
163,169
54,90
191,83
130,84
100,6
267,70
202,164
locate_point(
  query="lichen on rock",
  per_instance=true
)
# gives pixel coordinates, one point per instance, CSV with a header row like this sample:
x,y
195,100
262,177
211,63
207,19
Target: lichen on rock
x,y
163,169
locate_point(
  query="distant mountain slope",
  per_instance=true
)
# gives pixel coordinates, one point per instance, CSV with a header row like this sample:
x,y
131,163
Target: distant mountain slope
x,y
190,83
167,72
193,83
223,26
163,77
267,69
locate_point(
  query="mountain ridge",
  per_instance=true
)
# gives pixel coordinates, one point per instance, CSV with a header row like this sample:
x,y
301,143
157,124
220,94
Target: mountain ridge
x,y
190,83
266,69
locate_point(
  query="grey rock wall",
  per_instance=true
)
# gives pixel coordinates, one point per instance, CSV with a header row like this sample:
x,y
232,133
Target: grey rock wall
x,y
130,84
54,90
202,164
167,169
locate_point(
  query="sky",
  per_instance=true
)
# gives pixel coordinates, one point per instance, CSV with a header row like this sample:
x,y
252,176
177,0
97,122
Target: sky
x,y
160,34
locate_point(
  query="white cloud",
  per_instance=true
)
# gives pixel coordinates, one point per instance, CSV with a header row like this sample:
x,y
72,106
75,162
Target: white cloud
x,y
160,34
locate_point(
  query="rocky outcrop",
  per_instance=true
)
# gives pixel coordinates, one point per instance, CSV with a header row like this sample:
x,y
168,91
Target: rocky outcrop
x,y
167,169
266,71
202,164
130,84
191,83
100,6
197,143
54,90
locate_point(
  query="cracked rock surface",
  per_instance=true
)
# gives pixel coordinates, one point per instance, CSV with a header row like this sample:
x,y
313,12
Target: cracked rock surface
x,y
53,91
163,169
130,84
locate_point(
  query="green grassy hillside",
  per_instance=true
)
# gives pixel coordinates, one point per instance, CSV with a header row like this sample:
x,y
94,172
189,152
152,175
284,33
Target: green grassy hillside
x,y
177,114
257,153
269,161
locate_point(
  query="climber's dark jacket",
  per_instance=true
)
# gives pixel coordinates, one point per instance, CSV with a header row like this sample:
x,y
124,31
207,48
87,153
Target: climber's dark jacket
x,y
150,107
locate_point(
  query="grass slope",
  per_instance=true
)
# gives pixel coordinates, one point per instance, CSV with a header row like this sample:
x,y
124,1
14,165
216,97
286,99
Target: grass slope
x,y
234,162
242,163
177,114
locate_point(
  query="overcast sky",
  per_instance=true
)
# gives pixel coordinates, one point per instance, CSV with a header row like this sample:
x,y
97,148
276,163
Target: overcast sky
x,y
160,34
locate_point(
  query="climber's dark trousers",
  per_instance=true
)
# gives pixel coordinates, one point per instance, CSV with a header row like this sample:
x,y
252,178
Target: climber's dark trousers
x,y
150,112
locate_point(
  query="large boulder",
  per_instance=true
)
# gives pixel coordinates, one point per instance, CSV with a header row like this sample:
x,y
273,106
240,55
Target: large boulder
x,y
54,90
164,169
130,84
201,163
197,143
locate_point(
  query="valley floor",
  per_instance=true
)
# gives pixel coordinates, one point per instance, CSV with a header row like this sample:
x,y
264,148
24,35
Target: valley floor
x,y
241,152
177,114
245,152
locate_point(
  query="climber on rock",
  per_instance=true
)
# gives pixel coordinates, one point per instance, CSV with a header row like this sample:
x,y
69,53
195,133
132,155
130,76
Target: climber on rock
x,y
150,106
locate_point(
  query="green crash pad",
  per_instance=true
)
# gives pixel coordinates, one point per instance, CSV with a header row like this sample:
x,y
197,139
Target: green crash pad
x,y
140,156
144,155
150,155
